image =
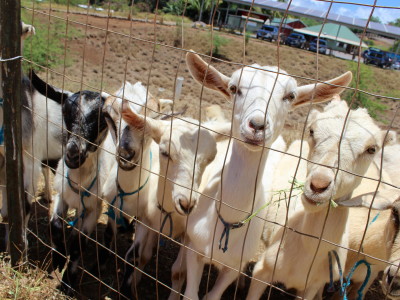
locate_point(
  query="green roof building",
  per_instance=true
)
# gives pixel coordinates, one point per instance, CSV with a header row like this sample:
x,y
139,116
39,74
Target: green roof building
x,y
338,37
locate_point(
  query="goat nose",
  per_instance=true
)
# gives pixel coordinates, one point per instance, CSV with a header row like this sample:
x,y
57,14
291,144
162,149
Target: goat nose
x,y
185,205
72,150
257,123
320,183
126,154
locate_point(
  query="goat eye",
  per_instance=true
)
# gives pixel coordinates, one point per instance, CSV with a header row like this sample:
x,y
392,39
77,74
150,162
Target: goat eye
x,y
311,132
165,153
233,89
290,96
371,150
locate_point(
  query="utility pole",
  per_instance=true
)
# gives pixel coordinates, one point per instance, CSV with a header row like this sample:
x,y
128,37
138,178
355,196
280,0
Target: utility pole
x,y
10,93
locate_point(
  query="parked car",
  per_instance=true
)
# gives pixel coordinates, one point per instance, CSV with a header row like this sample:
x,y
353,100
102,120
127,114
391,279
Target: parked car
x,y
296,40
377,57
323,46
267,32
396,65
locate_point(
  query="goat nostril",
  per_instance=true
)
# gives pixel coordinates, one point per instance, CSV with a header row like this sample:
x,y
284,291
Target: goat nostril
x,y
127,155
257,124
389,278
185,205
319,186
73,151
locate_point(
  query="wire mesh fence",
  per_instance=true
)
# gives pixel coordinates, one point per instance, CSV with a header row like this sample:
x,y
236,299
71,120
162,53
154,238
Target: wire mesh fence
x,y
164,157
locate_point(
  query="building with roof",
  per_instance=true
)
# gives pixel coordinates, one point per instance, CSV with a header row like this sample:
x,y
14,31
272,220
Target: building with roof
x,y
311,12
288,24
338,37
252,20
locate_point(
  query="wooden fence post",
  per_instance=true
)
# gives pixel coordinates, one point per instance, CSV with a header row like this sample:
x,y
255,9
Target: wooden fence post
x,y
10,92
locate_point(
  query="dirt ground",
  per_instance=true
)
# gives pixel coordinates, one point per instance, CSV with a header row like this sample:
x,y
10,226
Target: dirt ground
x,y
103,60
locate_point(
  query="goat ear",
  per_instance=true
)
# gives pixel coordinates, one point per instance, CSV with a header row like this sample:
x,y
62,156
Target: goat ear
x,y
111,114
383,199
133,119
139,122
165,105
322,92
390,138
206,74
156,128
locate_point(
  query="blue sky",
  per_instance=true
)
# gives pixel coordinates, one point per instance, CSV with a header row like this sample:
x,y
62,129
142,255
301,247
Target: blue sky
x,y
354,10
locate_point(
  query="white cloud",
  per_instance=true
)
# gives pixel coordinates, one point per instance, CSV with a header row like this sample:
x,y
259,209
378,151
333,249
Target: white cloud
x,y
387,15
362,12
343,11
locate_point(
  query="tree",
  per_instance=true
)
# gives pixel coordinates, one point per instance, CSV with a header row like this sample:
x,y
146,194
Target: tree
x,y
395,48
395,22
375,19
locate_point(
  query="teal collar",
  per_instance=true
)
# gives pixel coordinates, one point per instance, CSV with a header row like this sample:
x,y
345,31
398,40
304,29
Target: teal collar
x,y
121,194
83,193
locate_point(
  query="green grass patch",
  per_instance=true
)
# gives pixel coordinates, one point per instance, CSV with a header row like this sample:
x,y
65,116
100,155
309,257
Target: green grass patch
x,y
366,83
46,47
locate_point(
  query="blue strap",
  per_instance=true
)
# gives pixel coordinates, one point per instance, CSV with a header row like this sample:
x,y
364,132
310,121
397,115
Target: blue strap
x,y
345,283
226,231
121,194
83,194
331,287
171,224
374,219
348,278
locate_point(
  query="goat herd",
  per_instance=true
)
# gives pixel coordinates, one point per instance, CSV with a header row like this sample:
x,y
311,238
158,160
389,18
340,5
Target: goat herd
x,y
219,195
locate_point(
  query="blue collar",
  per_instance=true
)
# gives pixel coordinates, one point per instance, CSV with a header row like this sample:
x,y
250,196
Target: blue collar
x,y
83,193
121,194
345,281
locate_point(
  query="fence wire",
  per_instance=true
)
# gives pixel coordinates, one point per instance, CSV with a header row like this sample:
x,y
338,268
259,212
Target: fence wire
x,y
146,197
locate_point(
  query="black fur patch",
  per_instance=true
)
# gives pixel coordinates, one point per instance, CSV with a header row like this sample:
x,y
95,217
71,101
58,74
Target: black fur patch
x,y
46,89
84,117
396,220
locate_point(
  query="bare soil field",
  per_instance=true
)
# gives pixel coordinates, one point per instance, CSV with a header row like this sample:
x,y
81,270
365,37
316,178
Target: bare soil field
x,y
101,59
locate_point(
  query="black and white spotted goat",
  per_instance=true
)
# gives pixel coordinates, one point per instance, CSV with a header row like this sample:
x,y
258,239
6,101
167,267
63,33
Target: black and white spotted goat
x,y
80,177
41,133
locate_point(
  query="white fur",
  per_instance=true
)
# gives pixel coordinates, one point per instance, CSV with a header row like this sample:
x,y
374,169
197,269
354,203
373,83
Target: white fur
x,y
239,185
295,252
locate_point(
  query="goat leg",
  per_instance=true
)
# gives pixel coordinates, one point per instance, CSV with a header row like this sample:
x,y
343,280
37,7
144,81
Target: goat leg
x,y
69,279
57,235
128,287
105,250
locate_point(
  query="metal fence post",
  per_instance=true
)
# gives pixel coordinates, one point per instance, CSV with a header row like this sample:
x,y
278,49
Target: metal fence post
x,y
10,92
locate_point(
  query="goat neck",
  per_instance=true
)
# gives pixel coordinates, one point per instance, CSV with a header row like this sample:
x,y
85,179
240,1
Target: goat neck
x,y
243,168
86,172
128,180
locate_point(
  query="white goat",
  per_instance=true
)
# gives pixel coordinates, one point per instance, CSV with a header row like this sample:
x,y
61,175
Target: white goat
x,y
129,187
262,101
301,263
185,151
